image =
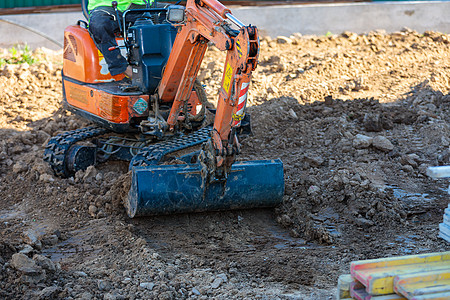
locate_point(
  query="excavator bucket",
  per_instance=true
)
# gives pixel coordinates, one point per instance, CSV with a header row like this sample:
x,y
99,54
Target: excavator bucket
x,y
168,189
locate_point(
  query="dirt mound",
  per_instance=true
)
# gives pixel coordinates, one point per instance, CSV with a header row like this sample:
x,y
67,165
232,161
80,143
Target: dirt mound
x,y
356,120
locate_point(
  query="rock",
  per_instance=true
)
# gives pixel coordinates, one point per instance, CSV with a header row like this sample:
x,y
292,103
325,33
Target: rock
x,y
50,240
272,89
196,292
85,296
103,285
167,295
50,292
328,100
211,65
217,282
29,237
27,249
327,110
348,135
109,296
284,220
27,138
274,59
9,162
8,70
44,262
37,245
314,160
408,169
50,128
80,274
46,178
410,160
18,148
364,222
57,233
101,214
32,273
42,137
297,35
126,280
34,278
99,177
382,143
313,189
147,285
362,141
350,35
373,122
113,296
20,167
292,113
90,173
23,263
140,242
423,168
92,210
24,66
224,276
283,40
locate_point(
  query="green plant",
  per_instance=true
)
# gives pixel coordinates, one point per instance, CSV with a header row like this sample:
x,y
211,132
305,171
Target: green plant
x,y
328,34
18,54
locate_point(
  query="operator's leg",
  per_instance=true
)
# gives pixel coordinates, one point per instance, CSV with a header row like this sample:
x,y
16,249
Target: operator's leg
x,y
102,26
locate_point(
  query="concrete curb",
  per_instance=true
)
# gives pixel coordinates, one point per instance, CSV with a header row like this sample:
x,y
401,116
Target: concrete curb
x,y
317,19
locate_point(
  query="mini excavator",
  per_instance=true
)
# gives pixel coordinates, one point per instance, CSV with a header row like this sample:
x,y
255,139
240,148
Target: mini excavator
x,y
157,120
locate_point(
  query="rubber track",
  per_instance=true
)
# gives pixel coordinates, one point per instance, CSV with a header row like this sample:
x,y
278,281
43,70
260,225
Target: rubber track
x,y
153,154
56,150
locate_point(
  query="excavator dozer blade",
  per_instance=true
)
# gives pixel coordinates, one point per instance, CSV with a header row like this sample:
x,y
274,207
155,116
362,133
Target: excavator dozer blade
x,y
169,189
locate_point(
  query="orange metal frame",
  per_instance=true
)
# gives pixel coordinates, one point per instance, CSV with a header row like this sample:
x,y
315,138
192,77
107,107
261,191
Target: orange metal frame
x,y
205,22
82,58
82,63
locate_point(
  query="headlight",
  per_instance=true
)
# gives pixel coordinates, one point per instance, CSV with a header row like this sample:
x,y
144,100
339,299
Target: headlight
x,y
175,15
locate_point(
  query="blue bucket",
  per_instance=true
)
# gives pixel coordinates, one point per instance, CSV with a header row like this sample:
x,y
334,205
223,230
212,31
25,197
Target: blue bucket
x,y
169,189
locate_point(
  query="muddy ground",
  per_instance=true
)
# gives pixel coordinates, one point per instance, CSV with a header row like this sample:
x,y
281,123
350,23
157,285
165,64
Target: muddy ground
x,y
356,120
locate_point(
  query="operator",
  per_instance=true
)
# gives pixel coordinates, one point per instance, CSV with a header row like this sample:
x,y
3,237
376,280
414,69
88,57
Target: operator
x,y
102,26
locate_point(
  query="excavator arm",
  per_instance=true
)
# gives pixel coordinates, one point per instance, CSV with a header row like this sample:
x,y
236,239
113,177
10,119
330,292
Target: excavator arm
x,y
208,21
214,181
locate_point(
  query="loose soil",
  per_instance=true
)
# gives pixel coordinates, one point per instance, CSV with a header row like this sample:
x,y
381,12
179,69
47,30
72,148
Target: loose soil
x,y
356,120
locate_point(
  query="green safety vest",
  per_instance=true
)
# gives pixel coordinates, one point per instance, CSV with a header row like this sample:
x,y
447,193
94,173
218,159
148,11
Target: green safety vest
x,y
121,4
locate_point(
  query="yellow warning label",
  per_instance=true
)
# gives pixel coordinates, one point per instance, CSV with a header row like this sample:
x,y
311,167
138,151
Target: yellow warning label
x,y
238,117
100,55
238,48
227,78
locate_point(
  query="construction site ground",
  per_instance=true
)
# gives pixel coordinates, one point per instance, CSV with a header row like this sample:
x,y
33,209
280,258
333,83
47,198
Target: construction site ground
x,y
356,120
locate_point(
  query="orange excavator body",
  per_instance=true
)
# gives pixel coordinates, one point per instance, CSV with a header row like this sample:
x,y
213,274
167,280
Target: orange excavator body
x,y
86,74
165,107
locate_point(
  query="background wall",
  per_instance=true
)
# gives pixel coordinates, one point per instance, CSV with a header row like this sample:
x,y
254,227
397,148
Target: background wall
x,y
46,29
